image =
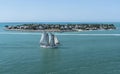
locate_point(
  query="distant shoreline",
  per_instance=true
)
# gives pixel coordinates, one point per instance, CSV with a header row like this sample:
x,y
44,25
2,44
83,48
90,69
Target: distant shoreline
x,y
59,27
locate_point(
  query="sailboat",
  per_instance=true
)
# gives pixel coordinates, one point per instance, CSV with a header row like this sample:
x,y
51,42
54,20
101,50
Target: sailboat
x,y
49,40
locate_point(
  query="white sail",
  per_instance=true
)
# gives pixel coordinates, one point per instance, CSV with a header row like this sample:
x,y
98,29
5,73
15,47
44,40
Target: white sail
x,y
52,41
56,40
44,39
47,39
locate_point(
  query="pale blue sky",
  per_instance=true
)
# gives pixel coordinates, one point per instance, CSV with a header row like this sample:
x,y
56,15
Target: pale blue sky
x,y
59,10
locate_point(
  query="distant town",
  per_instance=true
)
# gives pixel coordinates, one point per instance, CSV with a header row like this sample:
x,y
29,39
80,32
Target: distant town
x,y
60,27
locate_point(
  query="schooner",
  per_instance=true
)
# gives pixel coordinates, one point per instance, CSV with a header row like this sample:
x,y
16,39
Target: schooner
x,y
49,40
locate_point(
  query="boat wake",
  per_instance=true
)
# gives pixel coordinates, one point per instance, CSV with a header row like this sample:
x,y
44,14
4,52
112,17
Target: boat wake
x,y
61,34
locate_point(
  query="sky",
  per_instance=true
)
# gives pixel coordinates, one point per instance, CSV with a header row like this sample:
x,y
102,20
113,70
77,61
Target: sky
x,y
59,10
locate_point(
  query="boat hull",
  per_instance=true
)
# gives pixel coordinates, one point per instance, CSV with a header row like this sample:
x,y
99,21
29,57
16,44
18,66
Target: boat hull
x,y
44,46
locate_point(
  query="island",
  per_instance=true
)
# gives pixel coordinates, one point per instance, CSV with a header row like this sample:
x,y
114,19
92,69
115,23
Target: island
x,y
59,27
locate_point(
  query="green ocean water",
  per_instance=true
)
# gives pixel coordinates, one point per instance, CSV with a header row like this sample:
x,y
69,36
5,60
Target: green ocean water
x,y
20,53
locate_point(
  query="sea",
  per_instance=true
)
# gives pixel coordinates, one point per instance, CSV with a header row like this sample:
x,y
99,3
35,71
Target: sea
x,y
84,52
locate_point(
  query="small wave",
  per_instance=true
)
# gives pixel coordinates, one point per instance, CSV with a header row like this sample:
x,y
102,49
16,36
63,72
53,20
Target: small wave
x,y
61,34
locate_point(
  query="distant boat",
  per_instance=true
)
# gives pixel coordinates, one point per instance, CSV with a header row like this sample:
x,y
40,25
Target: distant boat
x,y
49,41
